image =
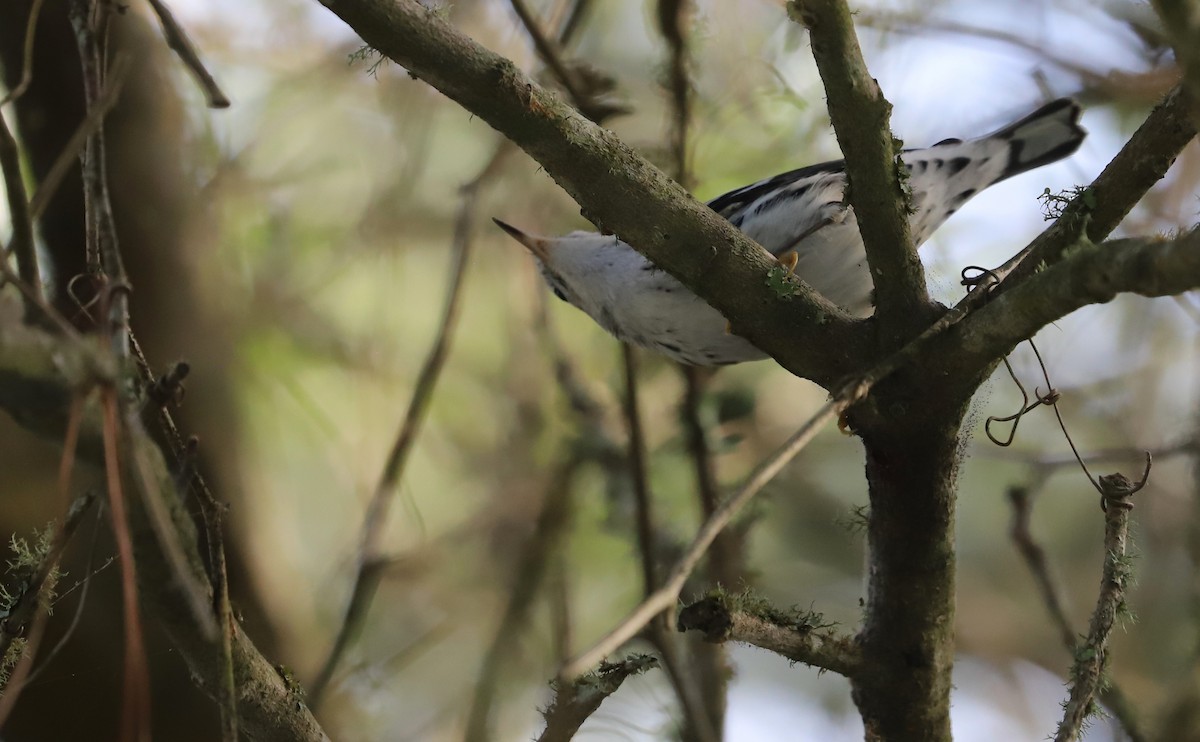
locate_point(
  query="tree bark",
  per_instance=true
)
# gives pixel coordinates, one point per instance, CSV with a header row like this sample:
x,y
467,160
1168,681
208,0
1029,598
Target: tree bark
x,y
907,638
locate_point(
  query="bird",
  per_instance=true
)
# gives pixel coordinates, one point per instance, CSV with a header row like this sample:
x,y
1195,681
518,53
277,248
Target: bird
x,y
802,218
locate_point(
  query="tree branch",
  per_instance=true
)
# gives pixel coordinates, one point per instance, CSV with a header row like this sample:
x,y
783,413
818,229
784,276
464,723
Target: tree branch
x,y
798,636
861,120
1091,274
574,702
622,191
38,373
1091,657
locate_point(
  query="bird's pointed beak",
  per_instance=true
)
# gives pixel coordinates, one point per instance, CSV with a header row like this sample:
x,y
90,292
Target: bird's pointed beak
x,y
539,246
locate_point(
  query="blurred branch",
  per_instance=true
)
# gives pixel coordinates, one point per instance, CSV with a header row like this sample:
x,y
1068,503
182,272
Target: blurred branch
x,y
19,89
38,373
697,719
798,636
1181,23
33,599
1091,657
536,557
548,51
861,120
637,471
1110,83
182,45
69,156
575,701
665,596
1035,558
620,190
21,244
672,18
367,574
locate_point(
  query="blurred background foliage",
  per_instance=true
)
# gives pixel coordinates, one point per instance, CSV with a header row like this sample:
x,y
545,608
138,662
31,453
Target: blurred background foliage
x,y
300,264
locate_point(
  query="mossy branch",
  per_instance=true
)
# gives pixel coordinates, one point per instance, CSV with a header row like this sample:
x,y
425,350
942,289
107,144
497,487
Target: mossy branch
x,y
800,636
1092,655
861,118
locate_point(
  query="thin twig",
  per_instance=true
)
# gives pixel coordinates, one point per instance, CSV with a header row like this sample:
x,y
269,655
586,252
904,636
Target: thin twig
x,y
68,158
182,45
102,247
665,596
1035,559
548,51
35,9
135,714
643,509
21,244
682,678
672,16
366,576
1091,657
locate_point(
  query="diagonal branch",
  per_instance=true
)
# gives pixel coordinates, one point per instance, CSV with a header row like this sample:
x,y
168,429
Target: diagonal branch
x,y
622,191
861,119
1091,274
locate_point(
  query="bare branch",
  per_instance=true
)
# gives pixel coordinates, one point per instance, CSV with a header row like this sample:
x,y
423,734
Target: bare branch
x,y
35,10
665,596
182,45
21,244
796,635
366,577
536,557
861,119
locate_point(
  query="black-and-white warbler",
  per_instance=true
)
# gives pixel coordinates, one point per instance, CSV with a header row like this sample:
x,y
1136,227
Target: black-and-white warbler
x,y
802,212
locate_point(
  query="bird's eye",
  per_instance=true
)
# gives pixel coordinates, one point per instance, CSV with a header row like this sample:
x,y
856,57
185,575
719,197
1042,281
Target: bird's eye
x,y
559,293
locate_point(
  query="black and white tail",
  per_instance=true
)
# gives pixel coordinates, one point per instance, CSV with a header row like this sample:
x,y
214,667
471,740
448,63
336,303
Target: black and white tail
x,y
1047,135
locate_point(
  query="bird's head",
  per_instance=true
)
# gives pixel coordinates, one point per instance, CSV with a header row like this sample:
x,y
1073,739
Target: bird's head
x,y
577,267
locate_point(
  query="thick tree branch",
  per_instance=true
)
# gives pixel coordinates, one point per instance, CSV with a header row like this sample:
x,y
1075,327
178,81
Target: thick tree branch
x,y
622,191
1091,274
1141,163
797,636
861,119
38,373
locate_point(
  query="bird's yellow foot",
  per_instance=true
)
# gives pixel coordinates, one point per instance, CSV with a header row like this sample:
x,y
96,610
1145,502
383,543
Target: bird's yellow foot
x,y
789,260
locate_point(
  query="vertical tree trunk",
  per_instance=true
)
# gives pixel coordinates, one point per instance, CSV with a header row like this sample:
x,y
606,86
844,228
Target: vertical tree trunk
x,y
908,632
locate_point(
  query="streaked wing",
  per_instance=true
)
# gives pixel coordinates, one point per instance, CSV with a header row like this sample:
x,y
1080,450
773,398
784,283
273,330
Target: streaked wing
x,y
730,204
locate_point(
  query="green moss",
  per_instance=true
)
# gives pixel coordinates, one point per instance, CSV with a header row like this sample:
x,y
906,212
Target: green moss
x,y
783,282
750,602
